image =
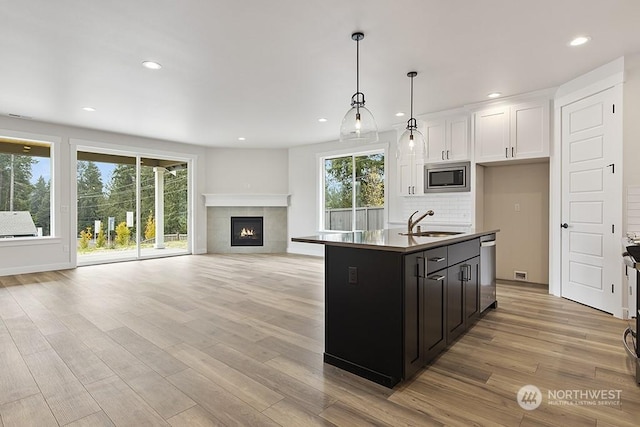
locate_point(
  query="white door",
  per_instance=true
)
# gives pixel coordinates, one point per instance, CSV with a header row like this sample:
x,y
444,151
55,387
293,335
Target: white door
x,y
591,202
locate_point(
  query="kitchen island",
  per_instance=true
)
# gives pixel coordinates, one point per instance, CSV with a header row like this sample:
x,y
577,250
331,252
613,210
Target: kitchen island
x,y
393,301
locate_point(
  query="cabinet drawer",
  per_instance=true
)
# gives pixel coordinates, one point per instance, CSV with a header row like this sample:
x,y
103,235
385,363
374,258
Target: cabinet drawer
x,y
462,251
436,259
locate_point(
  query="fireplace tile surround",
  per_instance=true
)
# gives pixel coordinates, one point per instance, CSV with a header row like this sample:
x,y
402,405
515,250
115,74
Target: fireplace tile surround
x,y
219,226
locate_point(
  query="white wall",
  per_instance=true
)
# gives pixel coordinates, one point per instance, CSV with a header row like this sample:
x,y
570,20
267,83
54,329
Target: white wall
x,y
240,171
304,181
23,256
523,240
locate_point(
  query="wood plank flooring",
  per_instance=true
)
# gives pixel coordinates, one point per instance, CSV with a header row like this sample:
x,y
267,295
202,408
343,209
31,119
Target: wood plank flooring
x,y
238,340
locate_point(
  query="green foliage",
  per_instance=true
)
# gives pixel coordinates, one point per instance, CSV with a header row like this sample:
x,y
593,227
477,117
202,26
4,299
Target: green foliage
x,y
369,178
123,234
101,238
16,168
150,228
85,238
41,206
90,194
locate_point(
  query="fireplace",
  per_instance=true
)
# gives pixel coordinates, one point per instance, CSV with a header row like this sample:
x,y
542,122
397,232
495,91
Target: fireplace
x,y
247,231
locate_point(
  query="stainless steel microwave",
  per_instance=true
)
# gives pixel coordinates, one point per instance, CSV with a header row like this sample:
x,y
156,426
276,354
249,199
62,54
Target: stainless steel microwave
x,y
446,177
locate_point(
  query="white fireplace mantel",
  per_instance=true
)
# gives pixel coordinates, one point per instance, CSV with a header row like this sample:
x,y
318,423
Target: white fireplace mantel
x,y
253,200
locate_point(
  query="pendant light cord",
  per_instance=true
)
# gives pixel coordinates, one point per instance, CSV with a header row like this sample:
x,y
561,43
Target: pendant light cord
x,y
412,97
357,66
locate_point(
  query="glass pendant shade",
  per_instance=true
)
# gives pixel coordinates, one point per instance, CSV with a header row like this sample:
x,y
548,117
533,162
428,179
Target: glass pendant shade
x,y
411,144
358,125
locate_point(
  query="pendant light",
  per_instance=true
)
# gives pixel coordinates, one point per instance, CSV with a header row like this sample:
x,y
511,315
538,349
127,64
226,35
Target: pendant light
x,y
412,142
358,124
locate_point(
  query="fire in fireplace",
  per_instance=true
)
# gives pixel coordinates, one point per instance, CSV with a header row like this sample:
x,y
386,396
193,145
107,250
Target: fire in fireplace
x,y
247,231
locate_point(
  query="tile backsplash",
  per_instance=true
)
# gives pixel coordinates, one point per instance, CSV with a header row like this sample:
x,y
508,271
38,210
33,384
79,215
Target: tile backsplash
x,y
633,209
448,208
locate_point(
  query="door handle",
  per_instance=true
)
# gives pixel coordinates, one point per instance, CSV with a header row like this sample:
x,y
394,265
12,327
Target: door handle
x,y
442,154
564,225
447,154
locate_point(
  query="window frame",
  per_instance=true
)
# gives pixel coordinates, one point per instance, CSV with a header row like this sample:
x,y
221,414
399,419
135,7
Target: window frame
x,y
55,220
349,152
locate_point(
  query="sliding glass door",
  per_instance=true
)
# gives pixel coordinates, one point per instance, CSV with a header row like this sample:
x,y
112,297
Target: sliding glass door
x,y
164,207
130,207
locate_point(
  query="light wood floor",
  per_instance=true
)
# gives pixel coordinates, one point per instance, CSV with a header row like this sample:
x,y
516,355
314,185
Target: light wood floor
x,y
238,340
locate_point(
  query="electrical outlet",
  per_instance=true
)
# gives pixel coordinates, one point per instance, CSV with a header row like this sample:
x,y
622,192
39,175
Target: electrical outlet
x,y
517,207
353,275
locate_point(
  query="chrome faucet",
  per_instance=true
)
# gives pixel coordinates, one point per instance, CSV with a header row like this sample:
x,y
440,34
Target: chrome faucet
x,y
411,223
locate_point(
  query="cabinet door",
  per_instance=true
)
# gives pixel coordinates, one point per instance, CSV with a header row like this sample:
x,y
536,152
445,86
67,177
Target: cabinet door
x,y
530,130
435,135
457,139
472,291
455,302
405,177
435,291
492,134
413,313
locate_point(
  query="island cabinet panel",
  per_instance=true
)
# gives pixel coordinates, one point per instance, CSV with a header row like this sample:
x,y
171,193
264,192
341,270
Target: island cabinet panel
x,y
424,309
364,312
455,302
414,311
472,291
435,300
389,313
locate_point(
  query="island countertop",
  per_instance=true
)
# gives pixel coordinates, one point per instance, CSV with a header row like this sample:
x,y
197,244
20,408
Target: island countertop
x,y
390,240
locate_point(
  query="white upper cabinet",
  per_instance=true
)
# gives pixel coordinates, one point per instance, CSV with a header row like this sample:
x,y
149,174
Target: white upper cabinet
x,y
512,132
411,171
447,139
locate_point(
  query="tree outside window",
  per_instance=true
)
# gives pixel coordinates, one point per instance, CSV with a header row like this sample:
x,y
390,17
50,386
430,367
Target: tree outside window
x,y
354,192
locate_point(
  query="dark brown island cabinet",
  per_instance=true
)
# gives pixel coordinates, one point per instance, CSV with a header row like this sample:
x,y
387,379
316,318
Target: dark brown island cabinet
x,y
392,303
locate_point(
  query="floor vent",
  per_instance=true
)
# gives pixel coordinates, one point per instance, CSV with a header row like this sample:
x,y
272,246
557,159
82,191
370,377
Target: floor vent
x,y
520,275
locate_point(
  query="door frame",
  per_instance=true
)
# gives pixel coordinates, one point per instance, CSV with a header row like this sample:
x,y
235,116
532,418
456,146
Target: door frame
x,y
135,152
607,76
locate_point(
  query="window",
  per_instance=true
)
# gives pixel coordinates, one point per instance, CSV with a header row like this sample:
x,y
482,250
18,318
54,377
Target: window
x,y
25,188
354,192
130,207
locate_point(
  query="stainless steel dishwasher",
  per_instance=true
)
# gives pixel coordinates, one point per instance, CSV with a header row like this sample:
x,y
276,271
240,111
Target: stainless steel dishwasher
x,y
488,272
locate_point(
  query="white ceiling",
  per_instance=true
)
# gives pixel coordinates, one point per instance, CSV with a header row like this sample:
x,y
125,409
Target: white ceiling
x,y
267,70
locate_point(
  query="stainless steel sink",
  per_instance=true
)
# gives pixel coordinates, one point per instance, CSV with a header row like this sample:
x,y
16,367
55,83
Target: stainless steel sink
x,y
432,233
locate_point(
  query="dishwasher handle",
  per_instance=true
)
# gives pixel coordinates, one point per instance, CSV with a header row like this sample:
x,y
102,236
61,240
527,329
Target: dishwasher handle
x,y
487,243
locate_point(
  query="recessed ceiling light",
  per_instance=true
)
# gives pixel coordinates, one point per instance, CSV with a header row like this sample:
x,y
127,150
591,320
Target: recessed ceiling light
x,y
578,41
242,138
322,120
90,109
494,95
151,65
399,114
